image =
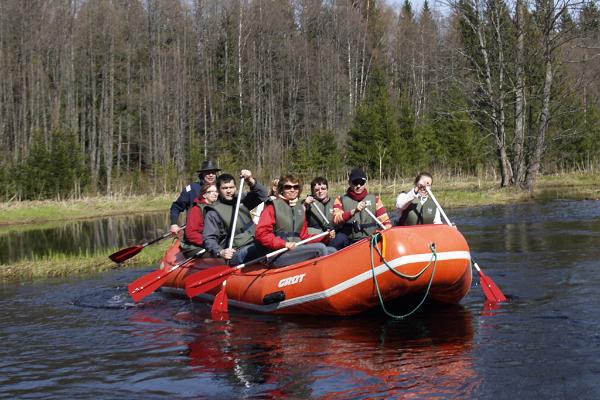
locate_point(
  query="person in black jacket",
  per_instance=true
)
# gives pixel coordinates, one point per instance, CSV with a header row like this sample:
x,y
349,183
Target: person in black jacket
x,y
206,174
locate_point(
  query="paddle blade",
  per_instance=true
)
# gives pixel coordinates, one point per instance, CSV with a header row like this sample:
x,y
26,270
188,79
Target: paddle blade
x,y
147,284
220,306
491,291
125,254
203,281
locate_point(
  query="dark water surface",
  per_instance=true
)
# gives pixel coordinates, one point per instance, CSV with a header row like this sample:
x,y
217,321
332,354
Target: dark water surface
x,y
79,236
83,338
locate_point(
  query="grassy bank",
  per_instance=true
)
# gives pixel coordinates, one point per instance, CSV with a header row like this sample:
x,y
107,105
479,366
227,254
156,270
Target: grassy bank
x,y
450,191
35,212
61,265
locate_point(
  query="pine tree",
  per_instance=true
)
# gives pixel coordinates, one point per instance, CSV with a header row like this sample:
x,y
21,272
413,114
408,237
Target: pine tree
x,y
374,138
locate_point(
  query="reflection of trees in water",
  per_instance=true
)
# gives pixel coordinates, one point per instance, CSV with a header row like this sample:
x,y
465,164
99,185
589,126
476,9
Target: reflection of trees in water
x,y
368,355
79,237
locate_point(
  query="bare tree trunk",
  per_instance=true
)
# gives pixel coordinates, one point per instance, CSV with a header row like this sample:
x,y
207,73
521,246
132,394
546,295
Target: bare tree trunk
x,y
519,140
540,141
496,106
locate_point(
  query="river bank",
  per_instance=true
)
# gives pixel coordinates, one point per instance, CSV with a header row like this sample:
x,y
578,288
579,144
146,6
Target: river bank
x,y
451,191
59,264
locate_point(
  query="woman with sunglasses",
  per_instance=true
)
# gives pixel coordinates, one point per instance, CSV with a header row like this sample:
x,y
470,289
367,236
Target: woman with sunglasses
x,y
348,209
193,239
283,223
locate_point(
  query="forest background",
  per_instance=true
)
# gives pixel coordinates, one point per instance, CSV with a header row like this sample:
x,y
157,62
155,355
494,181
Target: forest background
x,y
129,96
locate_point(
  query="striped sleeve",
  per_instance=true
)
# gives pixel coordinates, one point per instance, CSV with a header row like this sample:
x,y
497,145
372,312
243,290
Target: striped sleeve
x,y
381,214
339,214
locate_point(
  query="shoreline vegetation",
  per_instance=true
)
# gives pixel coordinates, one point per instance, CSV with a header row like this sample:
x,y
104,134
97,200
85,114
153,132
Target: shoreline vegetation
x,y
57,265
452,192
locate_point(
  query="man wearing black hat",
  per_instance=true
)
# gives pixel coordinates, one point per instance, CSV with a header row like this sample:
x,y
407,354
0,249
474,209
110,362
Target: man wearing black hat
x,y
348,209
206,174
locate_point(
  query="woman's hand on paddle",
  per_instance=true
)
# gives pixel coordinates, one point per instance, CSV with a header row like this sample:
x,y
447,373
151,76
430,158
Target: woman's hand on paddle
x,y
290,245
309,200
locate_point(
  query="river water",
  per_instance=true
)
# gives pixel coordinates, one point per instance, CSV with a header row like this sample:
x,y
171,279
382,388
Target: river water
x,y
82,337
79,236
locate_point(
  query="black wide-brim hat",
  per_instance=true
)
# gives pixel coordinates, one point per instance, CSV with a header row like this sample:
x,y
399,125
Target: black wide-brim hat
x,y
208,165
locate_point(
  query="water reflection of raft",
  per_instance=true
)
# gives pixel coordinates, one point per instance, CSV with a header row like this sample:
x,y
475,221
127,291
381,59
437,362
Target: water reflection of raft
x,y
343,283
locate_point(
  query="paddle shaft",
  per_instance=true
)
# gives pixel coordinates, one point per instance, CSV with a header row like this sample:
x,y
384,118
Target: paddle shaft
x,y
438,206
374,218
158,239
147,282
327,223
125,254
223,274
235,213
277,252
492,292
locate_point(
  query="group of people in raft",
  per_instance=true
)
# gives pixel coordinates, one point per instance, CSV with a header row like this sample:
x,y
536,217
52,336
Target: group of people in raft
x,y
280,219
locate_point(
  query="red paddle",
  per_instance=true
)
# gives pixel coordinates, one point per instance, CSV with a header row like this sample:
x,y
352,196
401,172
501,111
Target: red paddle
x,y
147,284
219,306
125,254
491,291
203,281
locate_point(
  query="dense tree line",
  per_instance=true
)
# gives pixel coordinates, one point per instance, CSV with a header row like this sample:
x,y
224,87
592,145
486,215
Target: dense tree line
x,y
98,96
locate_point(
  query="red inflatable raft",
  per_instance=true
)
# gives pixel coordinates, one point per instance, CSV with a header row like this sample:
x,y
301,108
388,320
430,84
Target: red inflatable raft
x,y
432,260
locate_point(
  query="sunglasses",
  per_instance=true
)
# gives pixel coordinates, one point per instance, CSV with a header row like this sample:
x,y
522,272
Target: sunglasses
x,y
359,182
290,187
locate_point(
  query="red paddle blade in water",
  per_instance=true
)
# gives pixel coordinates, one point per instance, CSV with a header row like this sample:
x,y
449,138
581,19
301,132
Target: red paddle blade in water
x,y
220,306
203,281
491,291
147,284
125,254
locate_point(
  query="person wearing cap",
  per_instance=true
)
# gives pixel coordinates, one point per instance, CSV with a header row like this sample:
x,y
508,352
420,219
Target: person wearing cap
x,y
415,207
219,216
348,209
206,174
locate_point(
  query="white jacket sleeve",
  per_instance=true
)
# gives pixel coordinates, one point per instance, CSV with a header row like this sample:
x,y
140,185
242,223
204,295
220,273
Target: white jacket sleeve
x,y
404,199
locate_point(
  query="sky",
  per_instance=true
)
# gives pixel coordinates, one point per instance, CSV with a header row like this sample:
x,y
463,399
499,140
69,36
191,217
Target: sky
x,y
416,4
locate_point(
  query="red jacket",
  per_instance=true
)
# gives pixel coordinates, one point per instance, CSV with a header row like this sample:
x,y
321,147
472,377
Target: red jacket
x,y
195,224
265,230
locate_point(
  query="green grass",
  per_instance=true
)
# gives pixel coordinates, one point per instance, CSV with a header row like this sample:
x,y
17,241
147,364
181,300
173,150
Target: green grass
x,y
29,212
59,264
450,191
473,192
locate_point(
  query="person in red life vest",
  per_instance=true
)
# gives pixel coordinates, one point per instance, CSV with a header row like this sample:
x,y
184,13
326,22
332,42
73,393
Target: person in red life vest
x,y
348,209
283,223
193,239
415,207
